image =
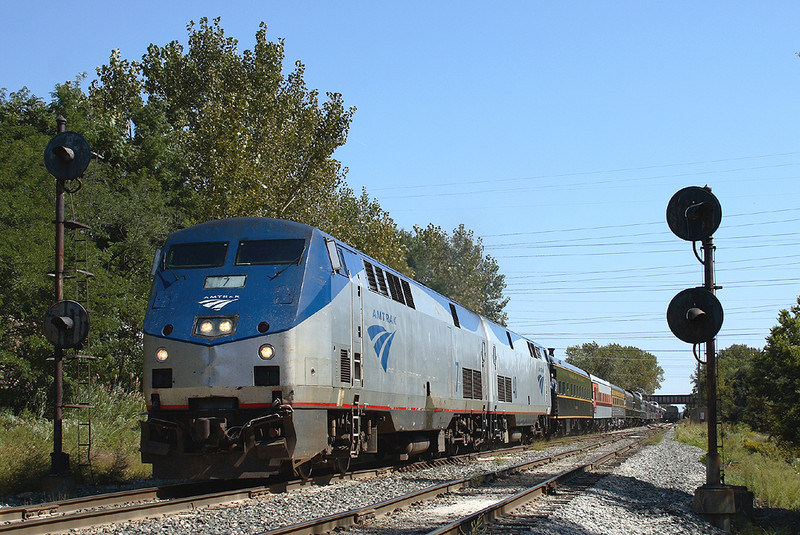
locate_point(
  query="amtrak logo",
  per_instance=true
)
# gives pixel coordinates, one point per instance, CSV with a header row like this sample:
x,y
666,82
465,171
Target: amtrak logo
x,y
217,302
540,379
382,341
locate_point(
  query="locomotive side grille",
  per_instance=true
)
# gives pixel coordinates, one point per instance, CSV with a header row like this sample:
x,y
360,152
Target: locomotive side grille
x,y
407,292
381,281
477,385
346,375
266,375
373,284
535,353
396,288
504,389
388,284
473,388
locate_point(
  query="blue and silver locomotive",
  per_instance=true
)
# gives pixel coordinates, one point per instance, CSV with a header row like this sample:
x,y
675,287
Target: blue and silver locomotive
x,y
270,345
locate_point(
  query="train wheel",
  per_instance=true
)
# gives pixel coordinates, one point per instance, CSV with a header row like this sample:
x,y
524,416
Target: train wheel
x,y
452,447
304,470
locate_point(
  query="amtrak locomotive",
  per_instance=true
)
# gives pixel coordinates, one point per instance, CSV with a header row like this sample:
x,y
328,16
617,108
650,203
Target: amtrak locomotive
x,y
272,346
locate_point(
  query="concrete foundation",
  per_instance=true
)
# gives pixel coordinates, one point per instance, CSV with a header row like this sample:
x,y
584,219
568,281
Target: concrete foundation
x,y
721,504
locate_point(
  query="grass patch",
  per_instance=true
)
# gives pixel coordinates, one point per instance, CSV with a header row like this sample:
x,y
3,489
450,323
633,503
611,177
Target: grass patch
x,y
26,442
654,438
769,470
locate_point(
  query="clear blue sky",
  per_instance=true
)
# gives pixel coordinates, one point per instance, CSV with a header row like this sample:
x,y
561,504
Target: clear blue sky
x,y
556,131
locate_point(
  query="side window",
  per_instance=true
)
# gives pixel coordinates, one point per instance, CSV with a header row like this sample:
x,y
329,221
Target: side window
x,y
455,315
344,271
357,377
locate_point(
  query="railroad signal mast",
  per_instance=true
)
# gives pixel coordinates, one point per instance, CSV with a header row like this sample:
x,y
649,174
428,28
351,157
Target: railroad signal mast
x,y
66,323
695,316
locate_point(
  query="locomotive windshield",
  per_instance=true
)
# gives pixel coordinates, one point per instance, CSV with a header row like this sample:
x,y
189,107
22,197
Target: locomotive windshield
x,y
270,252
196,255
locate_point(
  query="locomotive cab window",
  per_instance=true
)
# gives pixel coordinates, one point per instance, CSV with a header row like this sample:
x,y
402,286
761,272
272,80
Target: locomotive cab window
x,y
270,252
196,255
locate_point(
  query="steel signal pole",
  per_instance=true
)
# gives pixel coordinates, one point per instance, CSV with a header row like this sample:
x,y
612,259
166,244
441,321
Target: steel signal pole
x,y
713,463
59,459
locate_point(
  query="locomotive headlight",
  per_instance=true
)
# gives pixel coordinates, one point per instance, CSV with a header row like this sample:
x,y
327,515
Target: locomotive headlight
x,y
162,354
206,327
266,352
214,326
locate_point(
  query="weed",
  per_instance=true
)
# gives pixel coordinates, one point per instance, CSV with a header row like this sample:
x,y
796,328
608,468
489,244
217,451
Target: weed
x,y
654,438
26,442
755,461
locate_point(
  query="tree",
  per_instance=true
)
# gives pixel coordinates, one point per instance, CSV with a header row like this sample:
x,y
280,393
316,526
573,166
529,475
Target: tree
x,y
127,217
455,266
627,367
775,377
248,140
184,137
26,231
370,229
228,134
733,382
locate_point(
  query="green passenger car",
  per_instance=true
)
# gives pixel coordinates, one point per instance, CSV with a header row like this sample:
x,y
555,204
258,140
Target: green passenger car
x,y
574,411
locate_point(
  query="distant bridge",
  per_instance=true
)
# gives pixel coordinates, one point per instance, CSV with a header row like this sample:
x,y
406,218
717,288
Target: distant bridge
x,y
672,399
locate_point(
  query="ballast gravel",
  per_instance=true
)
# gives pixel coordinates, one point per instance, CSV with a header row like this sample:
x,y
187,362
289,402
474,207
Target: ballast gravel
x,y
650,493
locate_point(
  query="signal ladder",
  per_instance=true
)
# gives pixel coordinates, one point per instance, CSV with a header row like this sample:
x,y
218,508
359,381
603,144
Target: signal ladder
x,y
81,362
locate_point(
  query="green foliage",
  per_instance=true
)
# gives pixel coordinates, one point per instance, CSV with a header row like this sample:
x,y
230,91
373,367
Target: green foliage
x,y
368,228
184,136
227,127
26,215
27,440
775,378
734,366
456,267
753,460
627,367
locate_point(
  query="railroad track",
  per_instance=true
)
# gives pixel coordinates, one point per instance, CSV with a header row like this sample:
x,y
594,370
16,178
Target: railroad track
x,y
91,511
81,513
372,519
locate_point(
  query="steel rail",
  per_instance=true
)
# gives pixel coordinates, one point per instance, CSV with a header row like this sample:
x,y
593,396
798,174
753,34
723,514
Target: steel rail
x,y
85,512
355,516
90,511
476,521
